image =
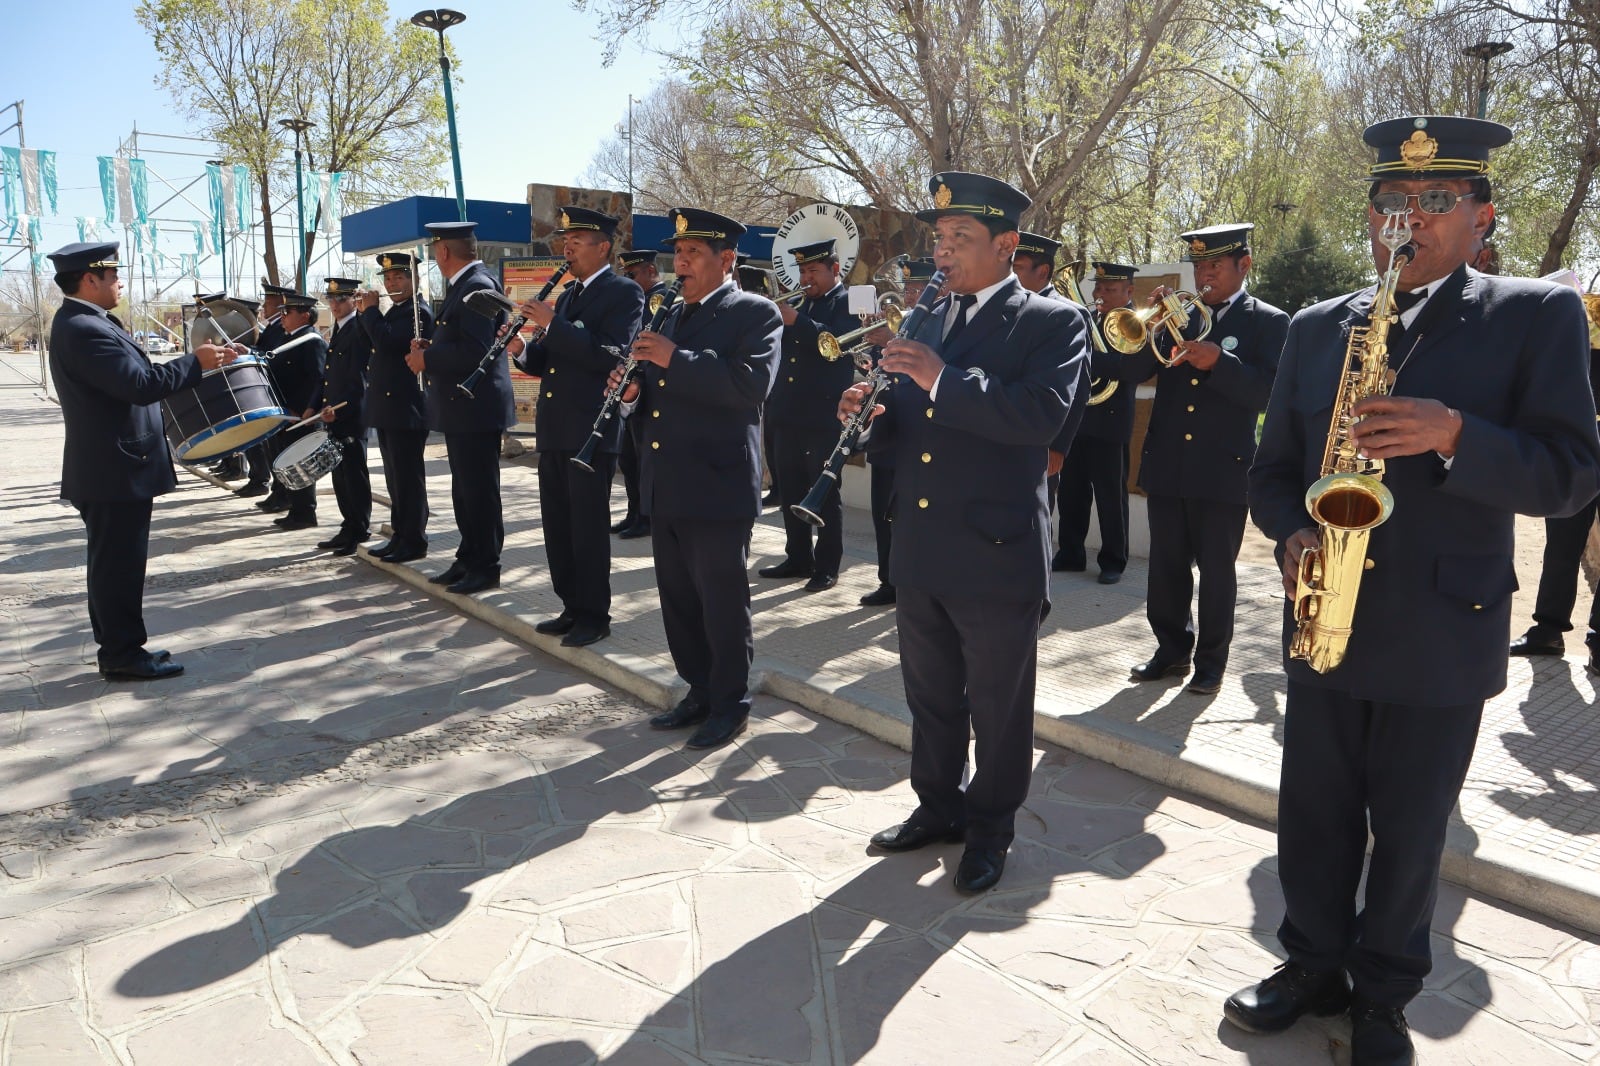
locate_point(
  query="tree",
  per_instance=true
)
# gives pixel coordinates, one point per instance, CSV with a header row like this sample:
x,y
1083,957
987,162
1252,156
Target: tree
x,y
1308,271
238,66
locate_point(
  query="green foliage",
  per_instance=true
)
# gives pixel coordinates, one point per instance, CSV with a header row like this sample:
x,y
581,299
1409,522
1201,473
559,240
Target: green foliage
x,y
1306,271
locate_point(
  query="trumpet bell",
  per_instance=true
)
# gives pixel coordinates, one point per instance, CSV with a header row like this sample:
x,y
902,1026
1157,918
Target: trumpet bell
x,y
831,347
1126,330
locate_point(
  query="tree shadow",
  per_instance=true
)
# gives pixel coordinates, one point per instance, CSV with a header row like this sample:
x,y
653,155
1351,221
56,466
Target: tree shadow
x,y
1560,717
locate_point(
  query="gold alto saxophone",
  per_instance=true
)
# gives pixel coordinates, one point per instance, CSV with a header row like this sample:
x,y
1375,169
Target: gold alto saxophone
x,y
1349,500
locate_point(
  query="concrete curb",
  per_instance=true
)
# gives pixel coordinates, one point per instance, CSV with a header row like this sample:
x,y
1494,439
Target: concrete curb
x,y
1538,885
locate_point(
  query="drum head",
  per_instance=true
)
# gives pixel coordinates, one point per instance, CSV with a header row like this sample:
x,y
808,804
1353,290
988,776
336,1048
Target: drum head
x,y
299,451
222,320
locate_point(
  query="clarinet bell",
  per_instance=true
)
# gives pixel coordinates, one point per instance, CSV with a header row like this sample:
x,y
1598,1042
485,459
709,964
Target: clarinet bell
x,y
807,509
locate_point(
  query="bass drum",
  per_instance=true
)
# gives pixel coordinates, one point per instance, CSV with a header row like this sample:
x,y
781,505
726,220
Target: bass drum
x,y
231,409
221,321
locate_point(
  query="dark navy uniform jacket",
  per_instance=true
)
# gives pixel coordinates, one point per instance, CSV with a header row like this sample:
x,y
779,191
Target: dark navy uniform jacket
x,y
394,398
110,393
1113,419
297,373
805,393
971,517
460,339
1202,432
267,340
1432,614
344,377
1073,426
573,362
701,439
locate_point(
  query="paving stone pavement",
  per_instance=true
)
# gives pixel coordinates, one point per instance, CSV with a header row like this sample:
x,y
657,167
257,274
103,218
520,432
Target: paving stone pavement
x,y
364,829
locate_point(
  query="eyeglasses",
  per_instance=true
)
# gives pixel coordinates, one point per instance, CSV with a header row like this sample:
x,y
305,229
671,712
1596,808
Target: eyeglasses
x,y
1431,201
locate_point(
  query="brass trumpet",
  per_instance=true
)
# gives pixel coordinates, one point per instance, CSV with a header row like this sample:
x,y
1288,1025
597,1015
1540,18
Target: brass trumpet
x,y
831,347
1066,279
1128,331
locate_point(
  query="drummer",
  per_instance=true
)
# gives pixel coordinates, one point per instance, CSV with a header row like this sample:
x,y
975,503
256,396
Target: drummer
x,y
116,460
297,372
271,334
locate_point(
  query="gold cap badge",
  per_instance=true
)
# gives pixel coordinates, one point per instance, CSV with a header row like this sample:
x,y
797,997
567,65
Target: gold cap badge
x,y
1418,150
941,196
682,223
385,262
1099,271
1197,246
566,223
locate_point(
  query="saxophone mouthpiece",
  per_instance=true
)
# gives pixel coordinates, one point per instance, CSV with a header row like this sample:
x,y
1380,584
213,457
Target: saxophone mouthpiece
x,y
1408,250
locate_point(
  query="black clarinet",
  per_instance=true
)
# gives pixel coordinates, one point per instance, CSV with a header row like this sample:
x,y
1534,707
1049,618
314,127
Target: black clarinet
x,y
608,409
809,507
489,303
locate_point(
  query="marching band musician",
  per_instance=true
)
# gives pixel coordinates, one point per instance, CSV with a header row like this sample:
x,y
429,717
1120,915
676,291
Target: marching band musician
x,y
702,382
259,457
471,425
297,376
344,382
1488,415
915,274
639,266
116,460
395,406
1096,469
801,409
1197,453
594,317
979,393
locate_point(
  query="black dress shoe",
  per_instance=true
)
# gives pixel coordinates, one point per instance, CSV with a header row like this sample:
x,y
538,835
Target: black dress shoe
x,y
347,548
1157,668
251,488
686,713
560,625
584,635
146,667
640,528
909,836
785,569
1280,1001
1062,565
405,555
476,583
1594,662
881,596
715,732
456,572
296,521
1110,577
381,551
273,504
1205,683
1379,1036
821,583
333,543
980,869
627,520
1535,644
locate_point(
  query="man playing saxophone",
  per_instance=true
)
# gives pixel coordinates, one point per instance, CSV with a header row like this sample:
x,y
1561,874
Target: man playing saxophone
x,y
1480,413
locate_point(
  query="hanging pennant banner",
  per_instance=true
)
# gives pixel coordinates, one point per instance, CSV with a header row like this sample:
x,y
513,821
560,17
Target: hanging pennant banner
x,y
10,181
241,197
37,173
330,203
141,189
108,187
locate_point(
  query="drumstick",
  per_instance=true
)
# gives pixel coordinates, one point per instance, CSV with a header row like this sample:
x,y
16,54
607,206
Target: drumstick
x,y
313,418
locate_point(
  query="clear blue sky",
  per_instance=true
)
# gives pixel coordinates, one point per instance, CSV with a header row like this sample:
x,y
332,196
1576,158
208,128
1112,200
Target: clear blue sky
x,y
533,104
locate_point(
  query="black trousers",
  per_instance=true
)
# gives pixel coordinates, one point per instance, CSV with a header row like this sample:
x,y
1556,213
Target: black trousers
x,y
800,455
352,483
1564,541
575,511
406,478
1348,764
258,463
1184,534
882,493
119,543
475,495
705,607
969,663
1095,471
628,464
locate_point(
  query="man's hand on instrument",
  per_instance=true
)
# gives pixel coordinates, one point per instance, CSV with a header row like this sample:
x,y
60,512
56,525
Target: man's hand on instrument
x,y
538,312
328,413
416,358
914,359
211,356
1159,293
653,348
309,412
367,299
1391,426
630,393
515,346
1293,548
1202,355
880,336
1053,462
852,399
787,313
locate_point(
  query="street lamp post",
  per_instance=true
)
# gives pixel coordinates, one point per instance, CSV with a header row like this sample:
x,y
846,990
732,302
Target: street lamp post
x,y
439,20
1485,51
222,233
299,126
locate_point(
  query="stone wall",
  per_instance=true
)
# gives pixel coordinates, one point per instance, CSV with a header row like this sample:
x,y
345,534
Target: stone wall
x,y
546,201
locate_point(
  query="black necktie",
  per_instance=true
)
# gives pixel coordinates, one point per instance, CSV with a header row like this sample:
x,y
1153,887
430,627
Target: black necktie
x,y
967,303
572,300
683,316
1405,301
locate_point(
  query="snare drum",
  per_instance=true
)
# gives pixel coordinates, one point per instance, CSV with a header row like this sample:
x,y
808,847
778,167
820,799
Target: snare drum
x,y
302,462
232,408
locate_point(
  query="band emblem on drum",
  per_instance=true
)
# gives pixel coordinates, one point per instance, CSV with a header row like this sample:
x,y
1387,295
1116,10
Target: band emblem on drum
x,y
942,196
